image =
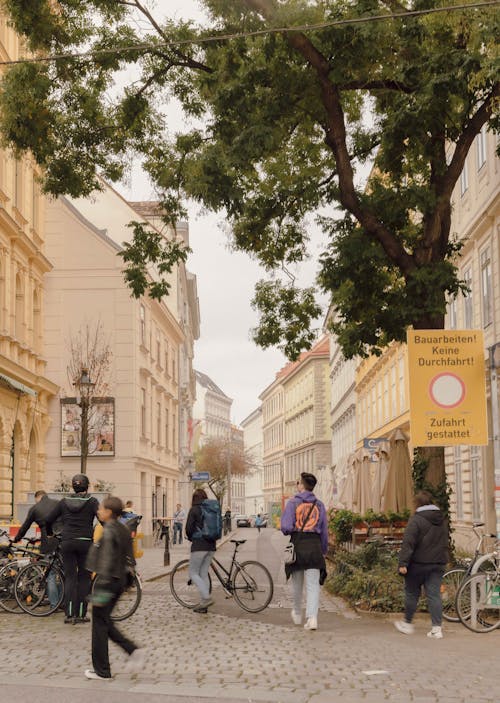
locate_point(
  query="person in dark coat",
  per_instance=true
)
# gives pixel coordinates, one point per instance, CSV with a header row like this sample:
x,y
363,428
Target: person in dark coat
x,y
38,513
202,551
422,561
110,558
304,519
77,513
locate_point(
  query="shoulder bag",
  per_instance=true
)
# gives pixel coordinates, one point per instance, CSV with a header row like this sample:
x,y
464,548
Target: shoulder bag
x,y
290,556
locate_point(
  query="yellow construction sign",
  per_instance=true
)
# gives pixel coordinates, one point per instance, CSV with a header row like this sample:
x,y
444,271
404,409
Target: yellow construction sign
x,y
447,387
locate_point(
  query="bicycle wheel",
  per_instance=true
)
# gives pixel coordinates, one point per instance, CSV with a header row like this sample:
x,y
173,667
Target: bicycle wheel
x,y
478,602
181,587
8,574
32,587
449,589
252,586
128,602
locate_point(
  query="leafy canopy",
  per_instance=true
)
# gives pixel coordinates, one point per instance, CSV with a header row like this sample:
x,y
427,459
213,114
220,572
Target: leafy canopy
x,y
277,125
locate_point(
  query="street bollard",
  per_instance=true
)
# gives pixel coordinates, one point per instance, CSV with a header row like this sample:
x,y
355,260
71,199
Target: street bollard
x,y
165,531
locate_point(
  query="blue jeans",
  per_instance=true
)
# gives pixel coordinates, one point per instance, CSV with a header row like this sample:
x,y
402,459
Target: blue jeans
x,y
199,563
178,530
53,588
312,591
429,576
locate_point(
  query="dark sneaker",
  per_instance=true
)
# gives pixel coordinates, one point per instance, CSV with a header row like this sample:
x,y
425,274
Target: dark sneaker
x,y
82,620
200,609
69,620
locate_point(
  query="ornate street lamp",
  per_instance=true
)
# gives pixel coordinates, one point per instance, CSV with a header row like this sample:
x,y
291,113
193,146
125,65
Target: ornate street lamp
x,y
85,386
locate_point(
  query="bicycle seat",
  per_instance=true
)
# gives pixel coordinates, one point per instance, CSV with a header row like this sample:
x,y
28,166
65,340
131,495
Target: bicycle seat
x,y
238,541
478,524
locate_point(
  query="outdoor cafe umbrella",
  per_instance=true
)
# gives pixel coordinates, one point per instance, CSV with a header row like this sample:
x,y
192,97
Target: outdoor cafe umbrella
x,y
347,489
398,487
380,474
363,491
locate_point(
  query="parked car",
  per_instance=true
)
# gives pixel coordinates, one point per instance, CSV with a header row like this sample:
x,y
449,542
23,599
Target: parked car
x,y
243,521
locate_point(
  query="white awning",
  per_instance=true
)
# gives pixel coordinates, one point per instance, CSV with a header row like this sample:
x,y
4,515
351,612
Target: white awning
x,y
14,385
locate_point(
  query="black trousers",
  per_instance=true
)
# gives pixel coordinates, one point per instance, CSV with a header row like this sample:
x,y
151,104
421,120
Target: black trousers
x,y
103,630
76,576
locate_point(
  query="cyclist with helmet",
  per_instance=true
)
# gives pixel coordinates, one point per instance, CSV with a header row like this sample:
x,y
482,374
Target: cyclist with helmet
x,y
77,513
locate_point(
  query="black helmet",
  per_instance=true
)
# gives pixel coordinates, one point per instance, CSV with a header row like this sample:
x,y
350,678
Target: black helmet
x,y
80,483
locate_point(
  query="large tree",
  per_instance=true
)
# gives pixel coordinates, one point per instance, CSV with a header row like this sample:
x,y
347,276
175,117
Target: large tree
x,y
277,123
223,459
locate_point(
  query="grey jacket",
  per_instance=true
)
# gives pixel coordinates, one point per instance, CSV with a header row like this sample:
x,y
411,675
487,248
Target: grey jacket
x,y
111,556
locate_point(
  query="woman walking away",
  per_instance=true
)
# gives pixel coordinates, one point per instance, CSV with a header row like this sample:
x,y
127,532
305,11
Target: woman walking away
x,y
422,561
202,549
305,520
112,560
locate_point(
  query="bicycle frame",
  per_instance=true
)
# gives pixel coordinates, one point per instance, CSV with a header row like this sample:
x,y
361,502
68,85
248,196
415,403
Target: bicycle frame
x,y
225,581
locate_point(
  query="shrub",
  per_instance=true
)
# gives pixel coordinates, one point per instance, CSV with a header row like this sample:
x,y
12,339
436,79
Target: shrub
x,y
368,578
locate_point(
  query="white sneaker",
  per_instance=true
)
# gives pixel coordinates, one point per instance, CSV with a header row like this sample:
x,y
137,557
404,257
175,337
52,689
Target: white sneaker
x,y
311,624
136,661
91,674
297,618
436,633
405,627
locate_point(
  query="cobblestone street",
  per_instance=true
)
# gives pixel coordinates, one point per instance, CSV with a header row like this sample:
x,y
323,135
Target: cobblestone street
x,y
233,656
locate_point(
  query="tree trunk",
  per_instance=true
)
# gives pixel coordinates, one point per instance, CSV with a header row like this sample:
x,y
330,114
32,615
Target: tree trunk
x,y
434,456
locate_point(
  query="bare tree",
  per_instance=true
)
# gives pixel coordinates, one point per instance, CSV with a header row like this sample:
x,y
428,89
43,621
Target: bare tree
x,y
88,373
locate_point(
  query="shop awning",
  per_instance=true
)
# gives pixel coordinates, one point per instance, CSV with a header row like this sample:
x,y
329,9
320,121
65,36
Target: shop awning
x,y
15,385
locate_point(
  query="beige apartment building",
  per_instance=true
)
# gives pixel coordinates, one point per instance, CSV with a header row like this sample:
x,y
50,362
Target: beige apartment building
x,y
86,285
476,221
25,388
296,424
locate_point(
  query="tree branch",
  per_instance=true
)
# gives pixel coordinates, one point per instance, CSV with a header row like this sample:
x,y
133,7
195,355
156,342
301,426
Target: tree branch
x,y
377,85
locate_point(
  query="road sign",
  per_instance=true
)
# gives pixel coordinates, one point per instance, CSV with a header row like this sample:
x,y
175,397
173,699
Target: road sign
x,y
447,387
200,476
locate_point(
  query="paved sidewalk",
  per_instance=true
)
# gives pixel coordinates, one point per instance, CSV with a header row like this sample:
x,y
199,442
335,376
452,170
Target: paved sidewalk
x,y
230,656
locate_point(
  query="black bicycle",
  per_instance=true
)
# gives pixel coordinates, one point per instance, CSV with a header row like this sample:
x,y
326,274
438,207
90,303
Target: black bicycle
x,y
248,582
13,557
39,586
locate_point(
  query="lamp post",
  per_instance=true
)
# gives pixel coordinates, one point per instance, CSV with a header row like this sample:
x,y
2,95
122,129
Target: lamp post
x,y
85,386
494,351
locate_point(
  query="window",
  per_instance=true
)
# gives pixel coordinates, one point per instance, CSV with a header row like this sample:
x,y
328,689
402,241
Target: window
x,y
475,469
142,315
174,434
158,348
468,301
481,148
143,412
486,292
452,313
459,496
166,357
173,365
402,397
167,430
158,423
464,180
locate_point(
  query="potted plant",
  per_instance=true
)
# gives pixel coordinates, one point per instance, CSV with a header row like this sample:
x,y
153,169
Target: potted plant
x,y
375,519
342,522
399,518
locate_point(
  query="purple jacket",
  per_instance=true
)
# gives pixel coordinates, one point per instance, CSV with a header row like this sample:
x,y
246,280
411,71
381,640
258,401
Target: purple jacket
x,y
288,517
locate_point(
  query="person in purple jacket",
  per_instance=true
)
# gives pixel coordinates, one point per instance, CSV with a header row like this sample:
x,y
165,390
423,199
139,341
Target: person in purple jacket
x,y
304,519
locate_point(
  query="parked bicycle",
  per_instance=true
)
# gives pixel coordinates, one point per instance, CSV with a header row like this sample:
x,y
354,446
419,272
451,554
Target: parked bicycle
x,y
248,582
478,597
453,578
12,558
39,586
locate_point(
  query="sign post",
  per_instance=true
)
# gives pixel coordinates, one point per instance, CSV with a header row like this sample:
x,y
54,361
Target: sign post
x,y
447,387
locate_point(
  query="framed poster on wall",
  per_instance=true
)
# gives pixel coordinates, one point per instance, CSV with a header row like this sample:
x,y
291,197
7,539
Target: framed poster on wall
x,y
101,422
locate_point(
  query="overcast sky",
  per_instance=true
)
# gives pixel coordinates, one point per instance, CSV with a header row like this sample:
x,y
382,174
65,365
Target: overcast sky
x,y
225,284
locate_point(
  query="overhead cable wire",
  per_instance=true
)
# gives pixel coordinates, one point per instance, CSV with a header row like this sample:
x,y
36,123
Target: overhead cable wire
x,y
93,53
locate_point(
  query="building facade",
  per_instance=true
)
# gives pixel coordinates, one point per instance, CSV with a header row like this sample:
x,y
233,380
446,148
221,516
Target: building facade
x,y
212,410
476,222
25,388
273,443
307,419
253,444
86,285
